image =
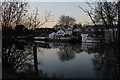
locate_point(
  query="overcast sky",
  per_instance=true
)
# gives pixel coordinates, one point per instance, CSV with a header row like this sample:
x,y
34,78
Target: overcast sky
x,y
61,8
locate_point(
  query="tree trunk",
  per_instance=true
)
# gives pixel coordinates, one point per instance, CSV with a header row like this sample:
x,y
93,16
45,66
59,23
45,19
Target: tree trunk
x,y
118,23
91,18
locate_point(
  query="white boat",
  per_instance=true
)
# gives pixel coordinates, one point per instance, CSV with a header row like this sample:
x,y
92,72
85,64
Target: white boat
x,y
61,39
87,39
39,37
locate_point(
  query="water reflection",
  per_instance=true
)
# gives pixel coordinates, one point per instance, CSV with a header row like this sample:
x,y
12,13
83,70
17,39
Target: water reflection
x,y
66,51
14,58
66,54
106,64
16,54
72,60
18,60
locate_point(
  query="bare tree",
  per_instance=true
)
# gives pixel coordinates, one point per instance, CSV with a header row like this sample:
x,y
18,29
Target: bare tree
x,y
15,13
89,12
12,13
33,21
66,20
104,13
118,5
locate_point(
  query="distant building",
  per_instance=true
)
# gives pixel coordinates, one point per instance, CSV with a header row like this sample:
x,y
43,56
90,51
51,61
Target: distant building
x,y
90,29
93,28
61,32
52,35
68,31
78,29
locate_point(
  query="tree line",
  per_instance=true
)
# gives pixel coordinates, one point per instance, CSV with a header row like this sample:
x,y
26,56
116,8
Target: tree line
x,y
103,12
16,20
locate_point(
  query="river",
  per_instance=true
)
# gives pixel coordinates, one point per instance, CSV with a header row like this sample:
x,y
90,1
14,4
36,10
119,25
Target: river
x,y
61,59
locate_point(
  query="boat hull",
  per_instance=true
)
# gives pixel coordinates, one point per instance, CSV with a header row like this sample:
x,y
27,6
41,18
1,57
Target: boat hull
x,y
59,39
66,40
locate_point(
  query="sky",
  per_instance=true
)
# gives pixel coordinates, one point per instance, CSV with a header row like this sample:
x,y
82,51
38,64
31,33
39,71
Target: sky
x,y
61,8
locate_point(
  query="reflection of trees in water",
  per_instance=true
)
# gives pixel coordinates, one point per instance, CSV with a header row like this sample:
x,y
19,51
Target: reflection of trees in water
x,y
68,52
106,65
17,61
77,48
97,48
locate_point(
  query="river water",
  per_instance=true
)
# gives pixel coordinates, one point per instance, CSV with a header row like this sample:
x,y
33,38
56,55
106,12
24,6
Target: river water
x,y
63,59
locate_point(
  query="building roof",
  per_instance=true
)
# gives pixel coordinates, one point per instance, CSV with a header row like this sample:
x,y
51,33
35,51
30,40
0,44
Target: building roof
x,y
77,29
90,29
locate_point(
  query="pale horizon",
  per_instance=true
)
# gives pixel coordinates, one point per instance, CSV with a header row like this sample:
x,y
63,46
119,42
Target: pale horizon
x,y
61,8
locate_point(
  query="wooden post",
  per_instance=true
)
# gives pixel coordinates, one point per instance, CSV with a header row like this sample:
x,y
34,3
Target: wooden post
x,y
35,61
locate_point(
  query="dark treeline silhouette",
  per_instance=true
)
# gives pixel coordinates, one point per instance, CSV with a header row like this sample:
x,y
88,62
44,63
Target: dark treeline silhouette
x,y
16,21
19,32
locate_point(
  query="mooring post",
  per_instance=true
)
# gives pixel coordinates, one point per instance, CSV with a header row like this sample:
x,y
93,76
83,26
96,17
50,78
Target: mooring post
x,y
35,60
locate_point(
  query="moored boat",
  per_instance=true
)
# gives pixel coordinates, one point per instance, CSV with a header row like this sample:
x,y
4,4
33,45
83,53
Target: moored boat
x,y
60,39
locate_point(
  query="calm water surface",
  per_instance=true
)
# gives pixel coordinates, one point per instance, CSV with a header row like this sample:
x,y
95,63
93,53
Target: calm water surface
x,y
72,60
66,60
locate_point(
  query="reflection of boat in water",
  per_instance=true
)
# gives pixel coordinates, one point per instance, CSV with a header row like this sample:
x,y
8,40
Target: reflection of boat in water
x,y
60,45
66,46
51,44
91,41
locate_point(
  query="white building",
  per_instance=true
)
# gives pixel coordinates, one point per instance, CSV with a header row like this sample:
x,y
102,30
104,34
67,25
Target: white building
x,y
68,31
77,29
52,35
84,37
61,32
90,29
58,34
